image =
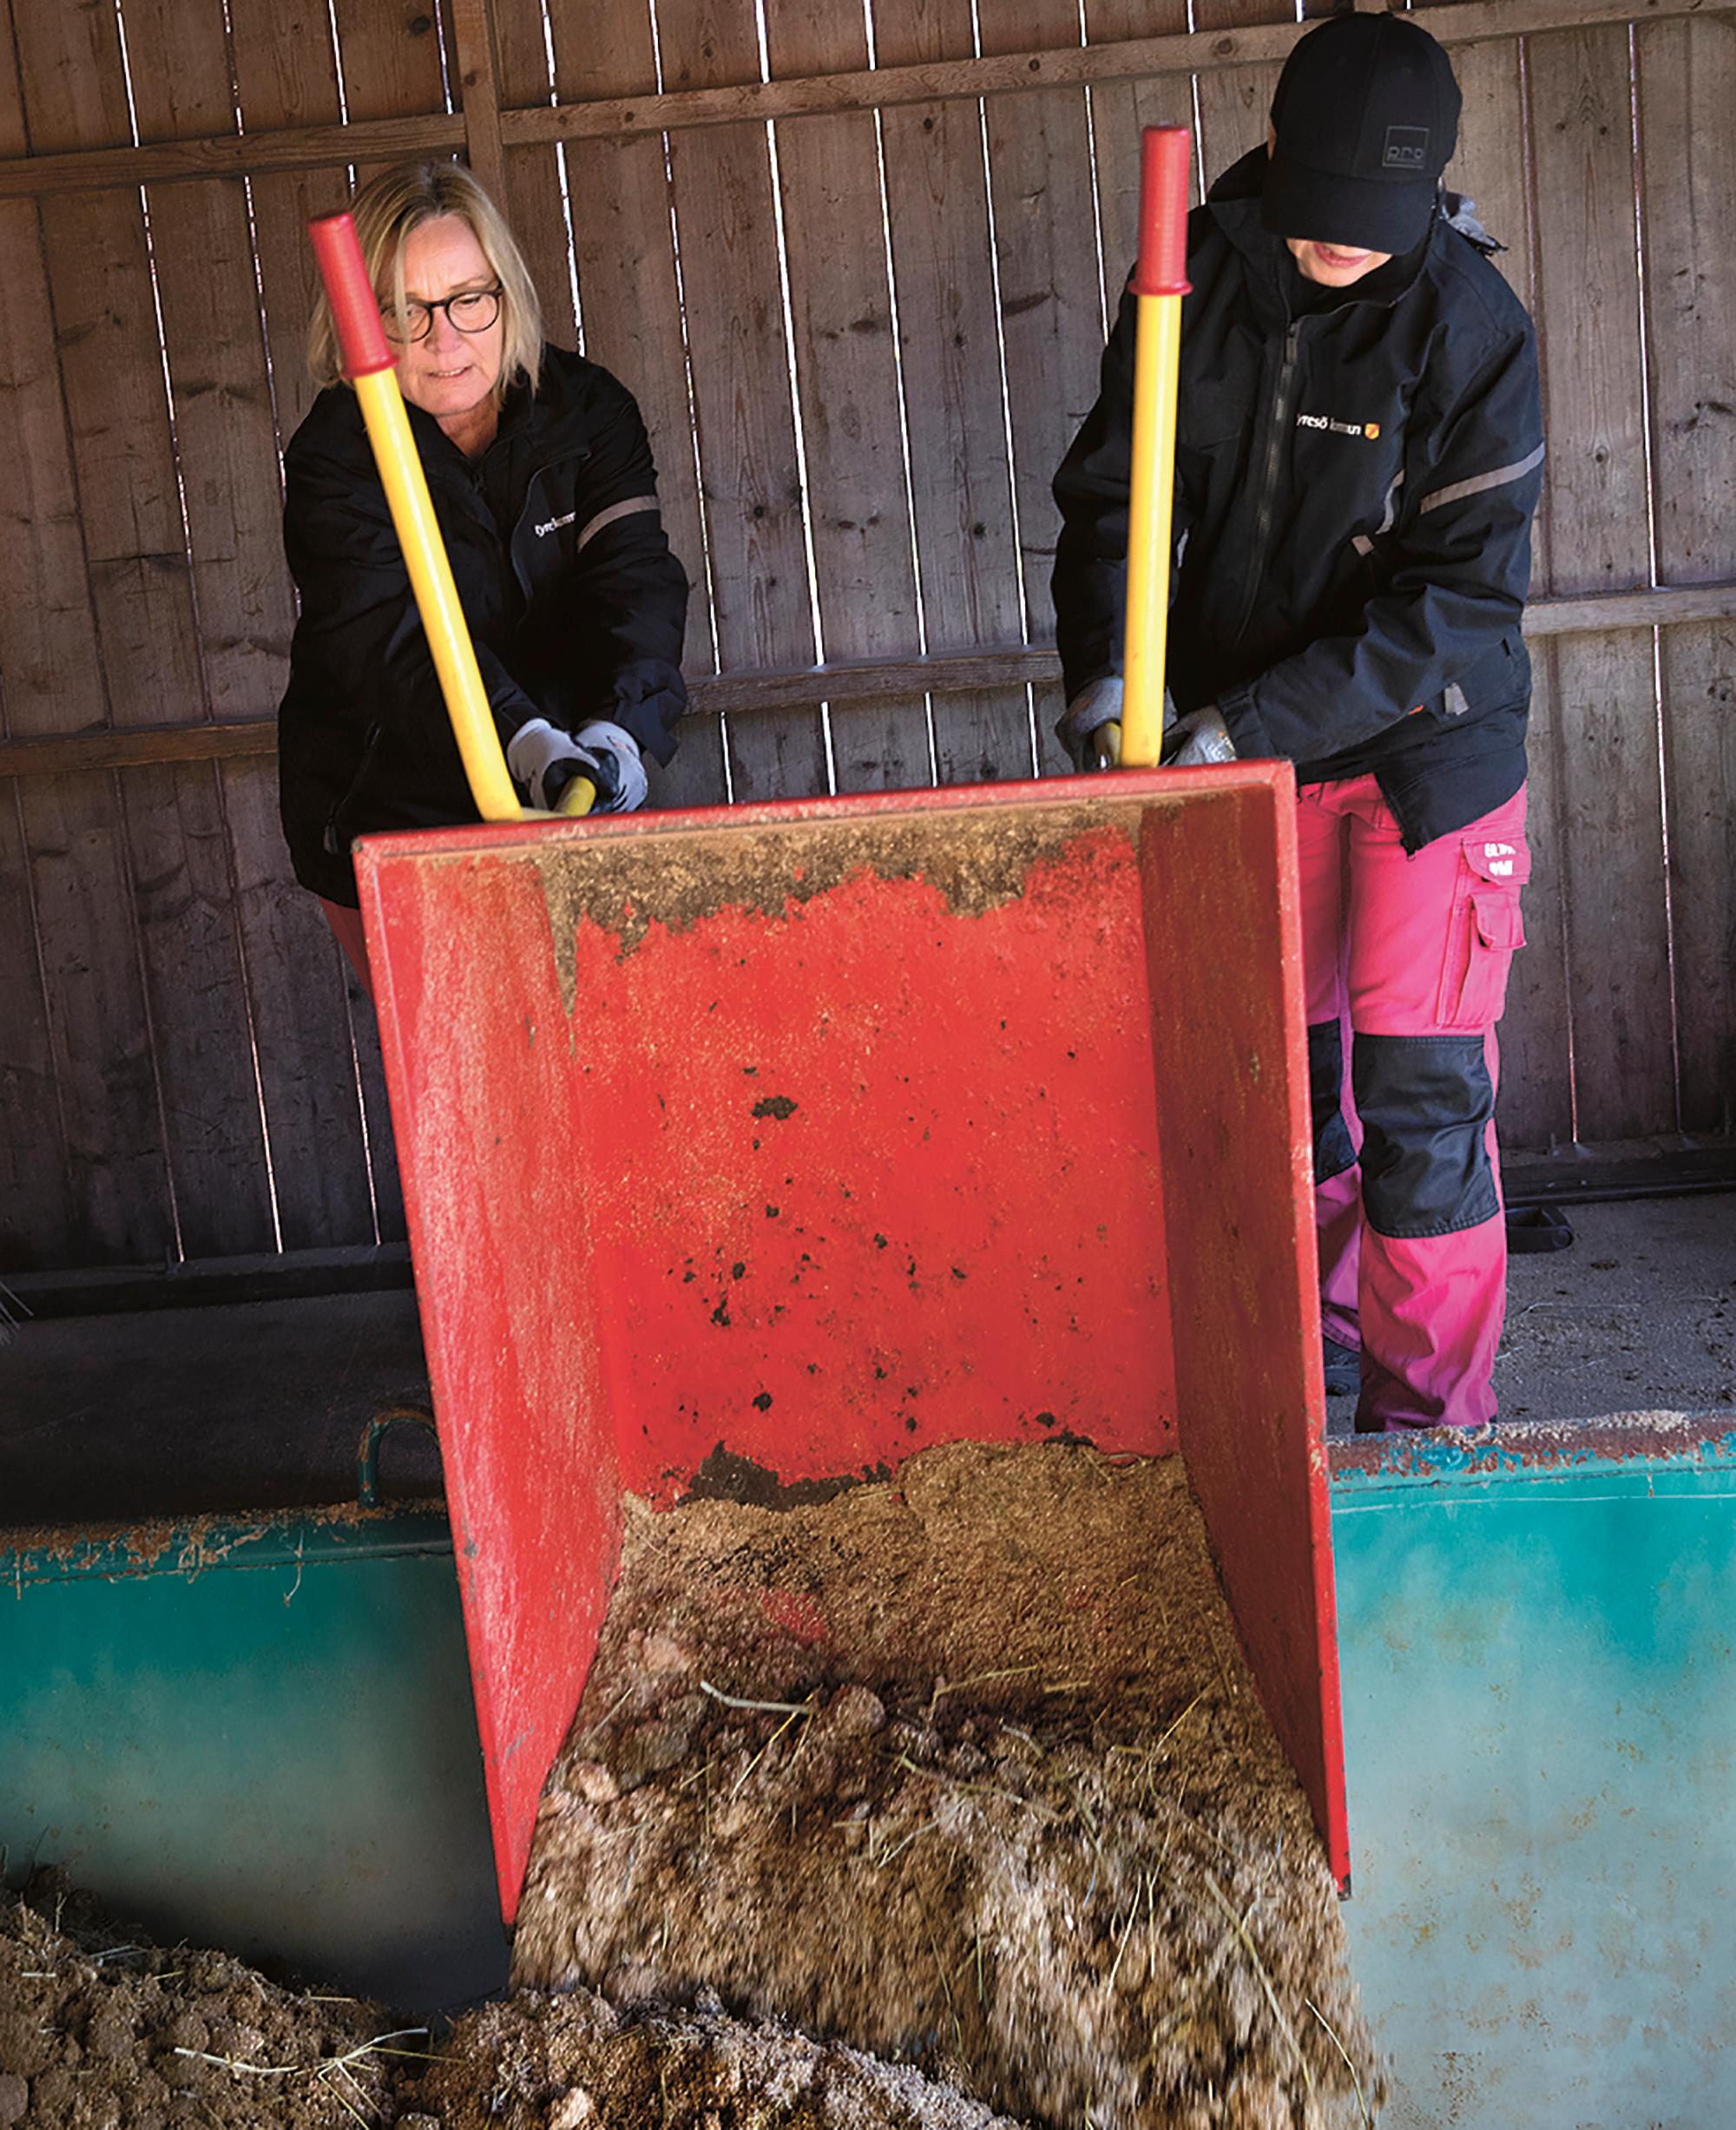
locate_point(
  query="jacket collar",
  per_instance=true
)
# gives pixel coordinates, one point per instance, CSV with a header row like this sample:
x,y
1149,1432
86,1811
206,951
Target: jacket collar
x,y
548,425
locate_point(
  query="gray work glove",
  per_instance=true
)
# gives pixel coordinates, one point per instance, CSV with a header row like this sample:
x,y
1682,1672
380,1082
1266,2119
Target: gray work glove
x,y
1090,727
544,760
1200,738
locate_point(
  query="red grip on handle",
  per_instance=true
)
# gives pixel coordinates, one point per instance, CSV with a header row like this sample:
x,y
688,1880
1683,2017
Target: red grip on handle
x,y
355,308
1162,269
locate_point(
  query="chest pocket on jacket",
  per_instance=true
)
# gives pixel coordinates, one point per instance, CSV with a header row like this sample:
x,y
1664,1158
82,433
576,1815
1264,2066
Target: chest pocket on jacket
x,y
1211,412
1212,433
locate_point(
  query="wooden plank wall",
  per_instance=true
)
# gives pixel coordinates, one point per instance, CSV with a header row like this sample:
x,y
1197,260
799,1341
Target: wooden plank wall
x,y
857,264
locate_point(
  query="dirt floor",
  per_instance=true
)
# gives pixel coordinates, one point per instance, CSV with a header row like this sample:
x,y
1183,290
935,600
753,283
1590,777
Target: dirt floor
x,y
1638,1316
101,2031
964,1771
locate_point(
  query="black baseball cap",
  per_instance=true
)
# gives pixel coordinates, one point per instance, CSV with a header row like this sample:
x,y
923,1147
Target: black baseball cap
x,y
1366,115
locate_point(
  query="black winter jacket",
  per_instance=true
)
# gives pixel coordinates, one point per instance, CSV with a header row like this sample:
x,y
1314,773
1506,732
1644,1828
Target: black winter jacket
x,y
1353,501
575,606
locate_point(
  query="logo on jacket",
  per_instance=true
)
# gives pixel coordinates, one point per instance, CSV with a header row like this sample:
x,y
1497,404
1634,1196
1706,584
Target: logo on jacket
x,y
1371,429
553,524
1499,858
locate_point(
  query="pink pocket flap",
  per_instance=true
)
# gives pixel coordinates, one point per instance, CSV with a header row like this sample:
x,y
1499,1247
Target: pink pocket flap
x,y
1498,922
1502,859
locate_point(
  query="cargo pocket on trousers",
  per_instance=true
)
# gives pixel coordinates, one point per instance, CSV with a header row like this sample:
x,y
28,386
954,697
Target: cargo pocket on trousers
x,y
1487,931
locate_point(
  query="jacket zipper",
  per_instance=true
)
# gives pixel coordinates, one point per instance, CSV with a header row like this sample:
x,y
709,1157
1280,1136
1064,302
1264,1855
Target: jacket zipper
x,y
1282,397
560,458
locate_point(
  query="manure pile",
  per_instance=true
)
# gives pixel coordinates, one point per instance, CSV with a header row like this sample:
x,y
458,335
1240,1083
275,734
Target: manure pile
x,y
964,1771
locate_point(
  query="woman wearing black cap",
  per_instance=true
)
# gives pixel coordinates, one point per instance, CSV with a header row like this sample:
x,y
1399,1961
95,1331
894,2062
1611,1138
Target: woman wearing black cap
x,y
1358,457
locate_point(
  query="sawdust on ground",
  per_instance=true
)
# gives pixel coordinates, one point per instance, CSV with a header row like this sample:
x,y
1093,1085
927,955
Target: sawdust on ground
x,y
1008,1810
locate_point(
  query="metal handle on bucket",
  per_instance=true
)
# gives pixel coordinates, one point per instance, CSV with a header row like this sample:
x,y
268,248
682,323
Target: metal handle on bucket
x,y
367,1456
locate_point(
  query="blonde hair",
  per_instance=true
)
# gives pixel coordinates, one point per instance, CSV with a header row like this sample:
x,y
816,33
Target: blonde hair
x,y
385,210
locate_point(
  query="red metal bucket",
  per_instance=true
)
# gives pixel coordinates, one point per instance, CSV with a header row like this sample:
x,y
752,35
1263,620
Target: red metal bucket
x,y
816,1133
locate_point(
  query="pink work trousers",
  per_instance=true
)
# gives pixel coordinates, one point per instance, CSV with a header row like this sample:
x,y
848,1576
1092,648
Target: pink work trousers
x,y
1414,946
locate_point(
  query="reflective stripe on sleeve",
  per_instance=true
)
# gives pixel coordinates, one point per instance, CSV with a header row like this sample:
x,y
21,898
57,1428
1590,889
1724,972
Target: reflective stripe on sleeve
x,y
1455,492
592,527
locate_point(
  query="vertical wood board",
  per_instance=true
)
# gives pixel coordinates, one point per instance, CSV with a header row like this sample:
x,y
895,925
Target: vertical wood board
x,y
949,357
99,315
391,55
846,371
286,76
533,203
301,1029
629,284
1594,388
1535,1105
727,226
99,1025
49,678
1050,282
1491,166
38,1222
1688,92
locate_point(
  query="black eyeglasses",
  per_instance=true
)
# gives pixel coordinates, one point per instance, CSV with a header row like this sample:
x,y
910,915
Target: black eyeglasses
x,y
473,310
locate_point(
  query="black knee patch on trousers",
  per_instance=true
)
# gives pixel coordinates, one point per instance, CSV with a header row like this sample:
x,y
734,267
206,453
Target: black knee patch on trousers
x,y
1425,1103
1333,1150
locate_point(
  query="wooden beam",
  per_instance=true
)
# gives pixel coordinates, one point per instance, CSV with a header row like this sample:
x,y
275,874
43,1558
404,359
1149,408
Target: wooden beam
x,y
233,154
1663,607
738,694
1205,51
1202,51
479,86
72,753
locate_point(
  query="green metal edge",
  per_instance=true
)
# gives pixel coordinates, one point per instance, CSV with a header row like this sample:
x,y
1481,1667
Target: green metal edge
x,y
192,1547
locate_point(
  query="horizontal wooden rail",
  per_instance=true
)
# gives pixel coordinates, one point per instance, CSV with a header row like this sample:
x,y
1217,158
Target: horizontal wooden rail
x,y
1200,51
1203,51
737,694
233,154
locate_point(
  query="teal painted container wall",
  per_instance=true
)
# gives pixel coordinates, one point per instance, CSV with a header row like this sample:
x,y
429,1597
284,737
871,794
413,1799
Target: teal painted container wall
x,y
258,1736
1539,1729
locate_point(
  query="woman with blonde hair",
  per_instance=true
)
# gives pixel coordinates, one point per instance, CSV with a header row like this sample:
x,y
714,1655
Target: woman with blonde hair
x,y
541,480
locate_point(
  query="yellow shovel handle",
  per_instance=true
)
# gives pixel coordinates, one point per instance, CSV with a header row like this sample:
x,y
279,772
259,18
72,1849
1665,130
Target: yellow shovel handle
x,y
1159,283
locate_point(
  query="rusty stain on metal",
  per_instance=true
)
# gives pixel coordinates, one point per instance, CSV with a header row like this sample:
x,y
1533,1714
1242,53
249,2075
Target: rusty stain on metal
x,y
188,1547
1534,1445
